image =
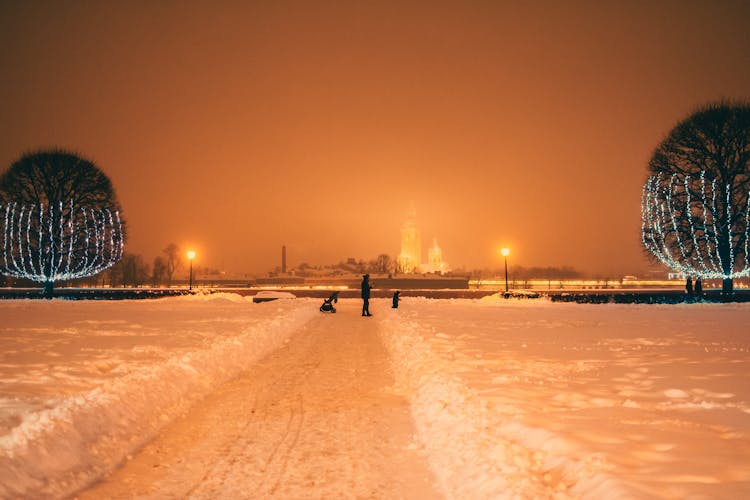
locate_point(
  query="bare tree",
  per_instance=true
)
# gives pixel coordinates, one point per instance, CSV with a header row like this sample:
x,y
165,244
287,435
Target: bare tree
x,y
384,264
695,204
173,258
132,270
555,273
159,271
135,270
115,275
62,218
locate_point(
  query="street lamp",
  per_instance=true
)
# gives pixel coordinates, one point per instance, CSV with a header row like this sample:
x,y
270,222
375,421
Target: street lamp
x,y
191,256
505,252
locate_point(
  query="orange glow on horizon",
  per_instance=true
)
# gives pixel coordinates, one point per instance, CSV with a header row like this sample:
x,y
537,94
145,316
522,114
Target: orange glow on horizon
x,y
252,125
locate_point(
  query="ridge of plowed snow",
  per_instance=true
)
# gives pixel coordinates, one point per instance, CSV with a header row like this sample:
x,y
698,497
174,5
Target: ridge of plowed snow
x,y
57,451
474,456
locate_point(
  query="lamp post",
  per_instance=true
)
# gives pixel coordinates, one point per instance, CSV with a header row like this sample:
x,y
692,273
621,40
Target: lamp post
x,y
505,252
191,256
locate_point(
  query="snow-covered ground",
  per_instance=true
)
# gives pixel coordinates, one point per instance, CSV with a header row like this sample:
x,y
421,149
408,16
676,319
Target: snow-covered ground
x,y
600,401
84,383
510,398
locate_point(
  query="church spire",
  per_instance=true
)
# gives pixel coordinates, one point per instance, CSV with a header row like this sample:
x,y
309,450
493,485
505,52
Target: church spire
x,y
410,258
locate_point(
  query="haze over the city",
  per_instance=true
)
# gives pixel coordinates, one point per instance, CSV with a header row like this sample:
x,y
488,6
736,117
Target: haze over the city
x,y
235,128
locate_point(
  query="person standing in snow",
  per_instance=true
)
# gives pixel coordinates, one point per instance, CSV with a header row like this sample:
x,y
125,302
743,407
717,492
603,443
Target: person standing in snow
x,y
689,287
698,287
396,299
366,295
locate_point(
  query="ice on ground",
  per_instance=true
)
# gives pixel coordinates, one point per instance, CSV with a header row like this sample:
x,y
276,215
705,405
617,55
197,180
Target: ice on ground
x,y
85,383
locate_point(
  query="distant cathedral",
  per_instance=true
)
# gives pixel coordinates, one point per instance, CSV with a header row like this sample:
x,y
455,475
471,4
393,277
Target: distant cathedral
x,y
410,257
435,262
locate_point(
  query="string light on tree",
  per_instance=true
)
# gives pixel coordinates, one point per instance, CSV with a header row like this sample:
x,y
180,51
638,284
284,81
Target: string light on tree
x,y
688,224
51,243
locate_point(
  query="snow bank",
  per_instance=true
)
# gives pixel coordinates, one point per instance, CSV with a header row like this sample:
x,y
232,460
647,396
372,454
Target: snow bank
x,y
54,452
202,296
477,454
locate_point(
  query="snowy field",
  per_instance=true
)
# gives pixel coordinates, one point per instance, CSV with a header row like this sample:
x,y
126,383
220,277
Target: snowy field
x,y
598,401
84,383
510,398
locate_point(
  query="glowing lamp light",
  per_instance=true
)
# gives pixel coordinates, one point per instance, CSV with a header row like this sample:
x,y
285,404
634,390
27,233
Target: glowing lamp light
x,y
505,252
191,256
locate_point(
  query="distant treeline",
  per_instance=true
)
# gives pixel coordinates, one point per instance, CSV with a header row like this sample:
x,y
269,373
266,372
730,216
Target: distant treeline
x,y
382,264
554,273
133,270
385,264
520,273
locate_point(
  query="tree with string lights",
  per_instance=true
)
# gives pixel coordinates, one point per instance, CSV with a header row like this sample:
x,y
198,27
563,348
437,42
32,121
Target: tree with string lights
x,y
59,219
695,205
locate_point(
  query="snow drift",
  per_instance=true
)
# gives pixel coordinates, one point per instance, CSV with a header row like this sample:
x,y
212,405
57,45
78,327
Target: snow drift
x,y
56,451
534,399
475,455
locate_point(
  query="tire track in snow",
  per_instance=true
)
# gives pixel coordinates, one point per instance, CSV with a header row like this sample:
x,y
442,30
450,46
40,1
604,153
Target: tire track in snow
x,y
60,450
318,418
297,429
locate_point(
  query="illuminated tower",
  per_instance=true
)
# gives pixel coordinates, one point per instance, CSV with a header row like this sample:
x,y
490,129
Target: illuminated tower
x,y
435,263
410,257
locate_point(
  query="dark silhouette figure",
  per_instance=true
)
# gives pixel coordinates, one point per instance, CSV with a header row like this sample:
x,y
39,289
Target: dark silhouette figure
x,y
689,287
328,303
396,299
366,295
698,287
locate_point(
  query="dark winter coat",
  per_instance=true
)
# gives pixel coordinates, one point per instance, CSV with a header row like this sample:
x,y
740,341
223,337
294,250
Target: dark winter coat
x,y
365,289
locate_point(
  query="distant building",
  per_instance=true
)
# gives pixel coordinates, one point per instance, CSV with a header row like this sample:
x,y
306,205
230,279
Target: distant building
x,y
435,262
409,259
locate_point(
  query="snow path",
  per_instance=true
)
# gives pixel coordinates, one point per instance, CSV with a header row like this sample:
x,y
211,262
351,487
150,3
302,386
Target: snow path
x,y
475,455
318,418
84,435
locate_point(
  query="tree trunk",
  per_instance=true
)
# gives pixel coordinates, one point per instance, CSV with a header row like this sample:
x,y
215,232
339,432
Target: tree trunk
x,y
727,285
47,290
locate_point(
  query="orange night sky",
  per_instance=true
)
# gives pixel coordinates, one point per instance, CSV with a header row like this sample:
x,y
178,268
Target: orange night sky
x,y
236,127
